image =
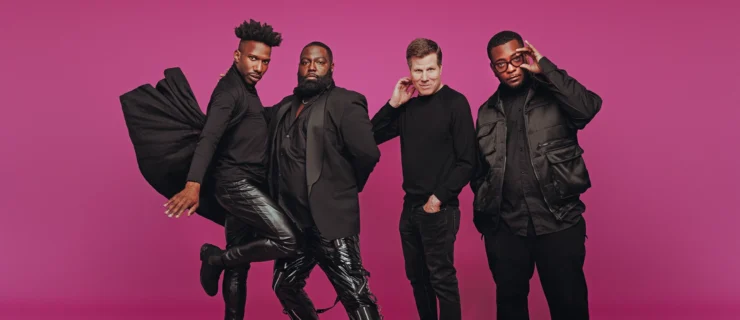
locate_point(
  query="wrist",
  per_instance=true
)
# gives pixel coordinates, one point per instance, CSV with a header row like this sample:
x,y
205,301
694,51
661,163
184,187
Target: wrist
x,y
393,104
192,185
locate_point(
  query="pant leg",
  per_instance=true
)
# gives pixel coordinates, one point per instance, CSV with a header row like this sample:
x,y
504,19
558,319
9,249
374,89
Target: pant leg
x,y
275,233
340,260
512,266
438,235
416,265
289,281
560,257
234,286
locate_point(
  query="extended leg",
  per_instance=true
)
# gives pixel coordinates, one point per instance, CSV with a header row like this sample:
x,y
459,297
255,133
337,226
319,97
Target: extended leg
x,y
275,233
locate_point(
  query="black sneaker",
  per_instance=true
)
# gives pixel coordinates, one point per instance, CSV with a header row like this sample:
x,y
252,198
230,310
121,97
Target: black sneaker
x,y
209,274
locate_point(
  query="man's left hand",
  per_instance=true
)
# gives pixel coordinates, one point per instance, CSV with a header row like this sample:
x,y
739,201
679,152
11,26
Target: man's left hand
x,y
530,51
432,205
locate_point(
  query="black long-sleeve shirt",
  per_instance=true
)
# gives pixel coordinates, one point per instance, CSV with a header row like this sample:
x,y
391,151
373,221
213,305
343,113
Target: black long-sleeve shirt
x,y
235,134
292,135
437,144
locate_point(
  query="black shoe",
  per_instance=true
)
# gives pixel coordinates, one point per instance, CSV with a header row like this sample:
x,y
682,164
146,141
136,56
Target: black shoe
x,y
209,273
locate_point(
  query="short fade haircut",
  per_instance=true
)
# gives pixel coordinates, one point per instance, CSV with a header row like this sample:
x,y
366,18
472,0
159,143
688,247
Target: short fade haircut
x,y
501,38
323,45
259,32
420,48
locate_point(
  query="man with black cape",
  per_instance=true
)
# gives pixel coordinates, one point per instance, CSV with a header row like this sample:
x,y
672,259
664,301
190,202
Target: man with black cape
x,y
220,159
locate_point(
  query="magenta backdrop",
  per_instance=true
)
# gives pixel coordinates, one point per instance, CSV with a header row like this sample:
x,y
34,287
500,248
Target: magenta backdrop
x,y
84,236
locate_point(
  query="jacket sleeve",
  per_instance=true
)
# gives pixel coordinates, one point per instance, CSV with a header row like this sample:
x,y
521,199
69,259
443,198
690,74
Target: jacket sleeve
x,y
481,168
357,133
579,103
463,141
220,110
385,123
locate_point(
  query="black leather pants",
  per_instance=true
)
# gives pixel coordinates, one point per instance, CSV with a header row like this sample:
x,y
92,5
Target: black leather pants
x,y
256,230
428,242
340,260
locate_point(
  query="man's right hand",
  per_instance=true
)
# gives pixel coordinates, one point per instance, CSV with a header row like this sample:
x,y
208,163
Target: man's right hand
x,y
188,198
402,93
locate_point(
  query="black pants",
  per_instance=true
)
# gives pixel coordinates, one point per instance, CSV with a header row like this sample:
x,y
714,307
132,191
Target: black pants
x,y
256,230
340,260
559,258
428,241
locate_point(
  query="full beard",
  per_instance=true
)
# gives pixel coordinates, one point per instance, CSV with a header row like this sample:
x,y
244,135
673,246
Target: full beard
x,y
309,88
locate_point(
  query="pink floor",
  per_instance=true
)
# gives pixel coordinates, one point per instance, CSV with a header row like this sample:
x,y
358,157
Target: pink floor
x,y
188,311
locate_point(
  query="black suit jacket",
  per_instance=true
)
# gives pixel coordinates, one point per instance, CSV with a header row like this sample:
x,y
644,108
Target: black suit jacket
x,y
340,155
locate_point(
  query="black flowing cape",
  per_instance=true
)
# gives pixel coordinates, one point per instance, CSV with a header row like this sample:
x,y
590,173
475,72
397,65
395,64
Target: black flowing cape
x,y
164,124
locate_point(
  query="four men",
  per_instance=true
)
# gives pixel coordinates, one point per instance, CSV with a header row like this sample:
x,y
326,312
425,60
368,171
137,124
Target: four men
x,y
314,151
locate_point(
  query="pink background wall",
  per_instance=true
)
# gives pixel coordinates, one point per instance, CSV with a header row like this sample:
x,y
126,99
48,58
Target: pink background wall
x,y
83,235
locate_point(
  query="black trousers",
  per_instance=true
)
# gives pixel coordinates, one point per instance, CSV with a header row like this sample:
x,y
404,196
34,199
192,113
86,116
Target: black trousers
x,y
256,230
559,258
428,241
341,262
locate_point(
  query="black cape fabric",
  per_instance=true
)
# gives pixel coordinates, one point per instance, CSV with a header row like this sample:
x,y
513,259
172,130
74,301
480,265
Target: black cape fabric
x,y
164,124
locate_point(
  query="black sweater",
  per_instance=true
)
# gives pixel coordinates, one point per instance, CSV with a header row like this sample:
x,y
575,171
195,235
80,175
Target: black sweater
x,y
437,144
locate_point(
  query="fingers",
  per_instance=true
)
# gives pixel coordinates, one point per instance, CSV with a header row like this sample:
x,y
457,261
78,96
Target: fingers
x,y
526,50
403,83
177,205
410,90
526,66
181,208
170,205
430,208
192,209
531,46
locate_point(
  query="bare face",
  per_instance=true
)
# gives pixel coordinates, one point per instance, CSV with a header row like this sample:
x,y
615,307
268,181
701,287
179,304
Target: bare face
x,y
505,63
426,74
252,60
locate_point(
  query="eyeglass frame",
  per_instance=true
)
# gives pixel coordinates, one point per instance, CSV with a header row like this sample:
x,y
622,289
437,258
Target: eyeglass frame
x,y
509,62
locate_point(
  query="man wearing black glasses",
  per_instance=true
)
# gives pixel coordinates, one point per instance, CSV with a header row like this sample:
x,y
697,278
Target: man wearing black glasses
x,y
529,179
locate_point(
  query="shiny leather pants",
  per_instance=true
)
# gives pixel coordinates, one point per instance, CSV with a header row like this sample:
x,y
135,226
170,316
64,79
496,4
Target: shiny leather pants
x,y
256,230
340,260
428,242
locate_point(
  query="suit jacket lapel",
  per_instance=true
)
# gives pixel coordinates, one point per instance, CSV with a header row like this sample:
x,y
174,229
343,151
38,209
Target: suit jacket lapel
x,y
315,141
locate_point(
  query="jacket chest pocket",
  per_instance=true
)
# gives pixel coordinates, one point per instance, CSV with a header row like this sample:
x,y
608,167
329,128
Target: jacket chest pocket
x,y
487,138
567,170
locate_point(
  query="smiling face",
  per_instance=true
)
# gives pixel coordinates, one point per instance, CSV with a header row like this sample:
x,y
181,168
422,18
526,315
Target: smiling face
x,y
426,74
506,63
